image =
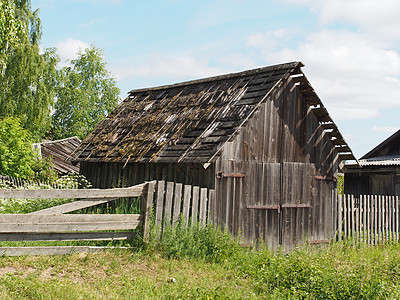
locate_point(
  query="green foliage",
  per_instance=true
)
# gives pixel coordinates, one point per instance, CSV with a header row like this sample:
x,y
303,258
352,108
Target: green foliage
x,y
340,184
86,93
10,29
17,158
43,170
27,81
16,154
23,206
73,181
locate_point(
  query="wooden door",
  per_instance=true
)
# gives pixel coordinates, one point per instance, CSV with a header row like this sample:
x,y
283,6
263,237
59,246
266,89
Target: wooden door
x,y
298,183
288,204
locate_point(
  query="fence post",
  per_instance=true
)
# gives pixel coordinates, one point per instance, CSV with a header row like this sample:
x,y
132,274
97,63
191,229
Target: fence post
x,y
147,204
340,218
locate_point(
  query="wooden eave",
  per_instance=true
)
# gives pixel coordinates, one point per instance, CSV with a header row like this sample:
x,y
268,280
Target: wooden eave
x,y
323,117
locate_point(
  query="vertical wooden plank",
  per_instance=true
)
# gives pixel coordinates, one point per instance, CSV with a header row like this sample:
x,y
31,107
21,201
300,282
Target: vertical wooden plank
x,y
195,205
187,192
379,219
388,219
340,217
352,219
393,218
375,217
396,205
211,213
203,206
365,221
345,216
159,203
385,224
148,196
356,213
397,216
177,203
168,204
371,219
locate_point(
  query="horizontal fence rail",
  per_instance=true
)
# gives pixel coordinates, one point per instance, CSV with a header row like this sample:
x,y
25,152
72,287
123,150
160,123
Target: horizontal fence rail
x,y
54,224
168,201
371,219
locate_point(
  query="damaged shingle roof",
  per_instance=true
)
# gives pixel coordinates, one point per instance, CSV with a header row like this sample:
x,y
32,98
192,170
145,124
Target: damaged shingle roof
x,y
190,121
60,153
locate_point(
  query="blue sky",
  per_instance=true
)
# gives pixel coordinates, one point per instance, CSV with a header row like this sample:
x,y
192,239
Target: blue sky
x,y
350,48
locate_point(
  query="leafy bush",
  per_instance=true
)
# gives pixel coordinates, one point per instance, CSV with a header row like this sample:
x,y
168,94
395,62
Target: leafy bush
x,y
17,158
16,154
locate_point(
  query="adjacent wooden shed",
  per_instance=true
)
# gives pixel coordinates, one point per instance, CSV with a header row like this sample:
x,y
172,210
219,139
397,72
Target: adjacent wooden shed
x,y
261,138
59,152
378,172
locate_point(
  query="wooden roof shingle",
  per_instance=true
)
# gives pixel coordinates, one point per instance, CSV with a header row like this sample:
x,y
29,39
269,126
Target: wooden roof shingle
x,y
185,122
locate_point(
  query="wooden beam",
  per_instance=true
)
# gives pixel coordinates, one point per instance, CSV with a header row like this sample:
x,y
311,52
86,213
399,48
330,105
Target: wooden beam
x,y
69,236
56,250
16,223
70,207
134,191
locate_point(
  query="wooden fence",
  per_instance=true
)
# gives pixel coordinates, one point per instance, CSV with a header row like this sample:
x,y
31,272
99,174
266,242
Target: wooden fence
x,y
371,219
171,201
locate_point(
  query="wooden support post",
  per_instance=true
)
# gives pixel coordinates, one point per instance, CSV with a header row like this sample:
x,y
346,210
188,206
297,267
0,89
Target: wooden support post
x,y
147,205
340,219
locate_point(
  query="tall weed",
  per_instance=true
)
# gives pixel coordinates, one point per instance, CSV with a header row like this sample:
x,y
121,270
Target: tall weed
x,y
202,242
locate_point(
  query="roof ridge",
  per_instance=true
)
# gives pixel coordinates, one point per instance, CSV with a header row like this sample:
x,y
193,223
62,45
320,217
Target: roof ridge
x,y
290,65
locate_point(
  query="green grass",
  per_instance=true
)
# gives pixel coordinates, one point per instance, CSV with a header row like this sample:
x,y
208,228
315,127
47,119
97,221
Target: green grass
x,y
203,263
206,263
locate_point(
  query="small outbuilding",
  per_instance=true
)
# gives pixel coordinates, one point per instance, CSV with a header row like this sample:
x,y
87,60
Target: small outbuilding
x,y
59,152
262,139
378,172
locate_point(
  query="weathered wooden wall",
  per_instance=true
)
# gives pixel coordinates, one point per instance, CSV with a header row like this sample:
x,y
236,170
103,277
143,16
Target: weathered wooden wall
x,y
107,175
281,150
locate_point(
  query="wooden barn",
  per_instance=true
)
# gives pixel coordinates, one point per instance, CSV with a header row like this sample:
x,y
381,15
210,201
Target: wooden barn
x,y
261,138
378,172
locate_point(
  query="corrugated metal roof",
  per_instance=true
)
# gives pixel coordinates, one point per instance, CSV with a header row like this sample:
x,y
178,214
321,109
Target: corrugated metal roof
x,y
191,121
380,161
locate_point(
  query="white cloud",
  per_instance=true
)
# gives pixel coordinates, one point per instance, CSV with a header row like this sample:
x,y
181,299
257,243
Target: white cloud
x,y
385,129
379,19
68,49
156,65
354,77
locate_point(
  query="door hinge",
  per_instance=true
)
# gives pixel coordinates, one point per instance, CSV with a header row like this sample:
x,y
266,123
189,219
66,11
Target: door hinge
x,y
277,207
229,175
326,178
290,205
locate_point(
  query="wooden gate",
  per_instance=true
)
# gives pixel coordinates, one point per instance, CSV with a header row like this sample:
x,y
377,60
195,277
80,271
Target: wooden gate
x,y
170,200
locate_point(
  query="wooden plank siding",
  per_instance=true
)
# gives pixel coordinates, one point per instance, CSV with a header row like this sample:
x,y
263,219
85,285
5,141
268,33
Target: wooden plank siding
x,y
111,175
280,159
